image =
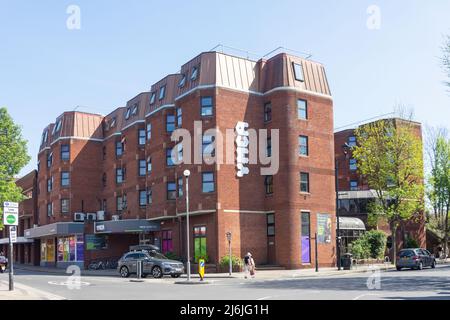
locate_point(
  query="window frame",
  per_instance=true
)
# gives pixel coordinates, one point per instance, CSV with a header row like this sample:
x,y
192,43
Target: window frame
x,y
298,67
171,193
65,152
140,168
67,206
268,187
299,108
117,148
67,179
140,193
206,107
170,124
162,93
152,97
303,147
308,187
270,224
142,137
122,175
267,112
208,182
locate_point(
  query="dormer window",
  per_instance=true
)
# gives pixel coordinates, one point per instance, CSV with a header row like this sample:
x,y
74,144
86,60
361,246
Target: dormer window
x,y
135,109
45,137
57,127
127,114
113,122
194,73
298,72
182,81
162,92
153,97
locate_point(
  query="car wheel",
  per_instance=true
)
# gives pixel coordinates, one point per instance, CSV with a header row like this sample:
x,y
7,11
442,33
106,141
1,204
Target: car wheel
x,y
399,268
420,267
433,264
124,272
157,272
175,275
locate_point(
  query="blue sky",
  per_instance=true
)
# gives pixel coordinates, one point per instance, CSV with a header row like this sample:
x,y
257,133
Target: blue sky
x,y
125,46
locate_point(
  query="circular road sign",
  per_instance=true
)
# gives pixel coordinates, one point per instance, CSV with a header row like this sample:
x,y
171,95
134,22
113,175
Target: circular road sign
x,y
11,219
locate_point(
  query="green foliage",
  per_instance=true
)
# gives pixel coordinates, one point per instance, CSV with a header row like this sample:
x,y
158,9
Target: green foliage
x,y
376,241
446,58
389,156
411,243
370,245
13,157
235,261
172,256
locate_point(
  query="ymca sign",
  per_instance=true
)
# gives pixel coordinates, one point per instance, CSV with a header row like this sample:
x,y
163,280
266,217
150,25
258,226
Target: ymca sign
x,y
242,143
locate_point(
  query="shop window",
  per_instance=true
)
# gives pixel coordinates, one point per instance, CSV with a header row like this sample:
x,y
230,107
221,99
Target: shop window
x,y
200,243
167,244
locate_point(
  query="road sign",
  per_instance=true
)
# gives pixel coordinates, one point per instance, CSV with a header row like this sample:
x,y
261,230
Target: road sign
x,y
13,234
10,213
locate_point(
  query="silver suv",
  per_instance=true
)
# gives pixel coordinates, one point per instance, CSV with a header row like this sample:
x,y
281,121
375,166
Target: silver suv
x,y
154,263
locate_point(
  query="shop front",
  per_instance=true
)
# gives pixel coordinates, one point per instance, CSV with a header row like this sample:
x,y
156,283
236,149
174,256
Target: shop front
x,y
61,244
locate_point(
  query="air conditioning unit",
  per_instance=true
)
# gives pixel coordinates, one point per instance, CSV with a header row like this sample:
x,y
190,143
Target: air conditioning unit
x,y
115,217
100,215
78,216
91,217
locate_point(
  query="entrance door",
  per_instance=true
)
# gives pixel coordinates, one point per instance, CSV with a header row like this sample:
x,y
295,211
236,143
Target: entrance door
x,y
305,238
271,239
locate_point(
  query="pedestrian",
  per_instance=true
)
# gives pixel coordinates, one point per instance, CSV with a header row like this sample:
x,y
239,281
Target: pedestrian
x,y
249,265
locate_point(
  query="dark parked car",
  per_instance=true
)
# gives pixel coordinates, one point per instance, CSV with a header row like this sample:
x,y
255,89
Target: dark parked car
x,y
415,259
154,263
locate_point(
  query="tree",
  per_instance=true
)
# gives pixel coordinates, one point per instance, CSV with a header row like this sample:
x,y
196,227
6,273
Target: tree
x,y
438,184
13,157
446,58
389,156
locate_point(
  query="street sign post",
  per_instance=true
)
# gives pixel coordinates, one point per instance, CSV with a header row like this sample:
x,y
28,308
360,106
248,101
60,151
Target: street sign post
x,y
11,219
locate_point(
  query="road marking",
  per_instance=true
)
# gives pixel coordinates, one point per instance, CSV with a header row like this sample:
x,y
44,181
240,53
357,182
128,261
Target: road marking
x,y
65,283
365,294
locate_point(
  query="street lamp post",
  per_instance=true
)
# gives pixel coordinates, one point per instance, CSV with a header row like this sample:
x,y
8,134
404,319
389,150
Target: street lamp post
x,y
345,148
229,252
187,173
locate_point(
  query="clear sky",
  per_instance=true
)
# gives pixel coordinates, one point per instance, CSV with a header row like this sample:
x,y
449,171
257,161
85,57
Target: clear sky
x,y
125,46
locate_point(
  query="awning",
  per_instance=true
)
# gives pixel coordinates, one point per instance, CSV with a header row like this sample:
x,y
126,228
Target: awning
x,y
126,226
20,240
347,223
55,229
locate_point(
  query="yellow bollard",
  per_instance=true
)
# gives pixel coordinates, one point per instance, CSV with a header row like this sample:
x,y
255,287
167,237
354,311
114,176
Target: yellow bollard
x,y
201,268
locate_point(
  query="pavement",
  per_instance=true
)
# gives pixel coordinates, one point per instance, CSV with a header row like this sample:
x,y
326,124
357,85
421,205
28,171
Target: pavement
x,y
24,292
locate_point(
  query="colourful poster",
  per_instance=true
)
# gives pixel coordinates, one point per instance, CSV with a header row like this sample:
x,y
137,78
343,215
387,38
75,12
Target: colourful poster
x,y
323,228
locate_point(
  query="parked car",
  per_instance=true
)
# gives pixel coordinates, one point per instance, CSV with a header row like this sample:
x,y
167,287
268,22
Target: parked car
x,y
3,264
154,263
415,259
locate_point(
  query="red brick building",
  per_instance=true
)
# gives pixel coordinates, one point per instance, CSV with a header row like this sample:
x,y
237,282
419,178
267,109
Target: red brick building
x,y
355,193
108,182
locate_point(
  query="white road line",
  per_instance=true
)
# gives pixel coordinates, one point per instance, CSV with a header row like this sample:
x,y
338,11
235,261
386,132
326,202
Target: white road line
x,y
364,295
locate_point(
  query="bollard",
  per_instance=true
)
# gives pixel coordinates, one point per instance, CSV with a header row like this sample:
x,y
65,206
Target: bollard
x,y
139,269
201,269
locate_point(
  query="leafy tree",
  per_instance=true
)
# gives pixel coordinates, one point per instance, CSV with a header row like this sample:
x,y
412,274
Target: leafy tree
x,y
389,156
376,240
446,58
13,157
360,248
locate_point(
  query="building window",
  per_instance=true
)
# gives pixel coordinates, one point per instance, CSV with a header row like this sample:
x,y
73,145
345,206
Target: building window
x,y
167,245
298,72
57,126
302,109
149,131
141,137
170,123
64,206
149,195
182,81
270,224
208,149
135,109
65,152
50,209
207,106
169,160
104,205
352,141
49,159
127,114
104,179
179,117
44,137
353,166
268,184
119,148
269,147
119,204
194,73
149,165
50,184
267,112
65,179
304,182
162,92
104,153
199,243
180,187
153,98
179,153
303,145
207,182
171,190
120,177
142,168
113,122
353,185
142,198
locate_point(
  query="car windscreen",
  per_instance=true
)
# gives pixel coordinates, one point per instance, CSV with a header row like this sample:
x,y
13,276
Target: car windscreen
x,y
406,253
157,255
